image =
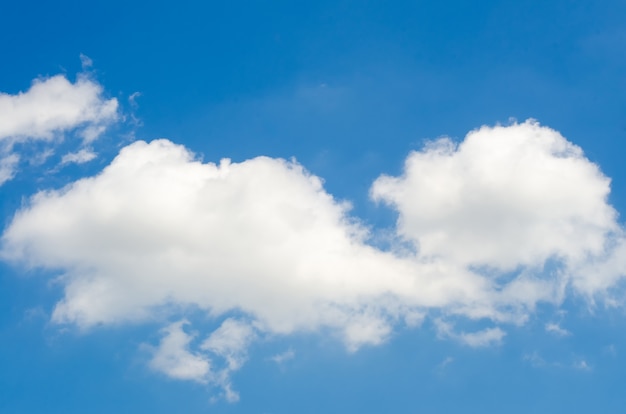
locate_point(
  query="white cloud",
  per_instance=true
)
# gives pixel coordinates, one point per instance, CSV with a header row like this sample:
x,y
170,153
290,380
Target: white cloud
x,y
54,105
85,61
283,356
230,341
556,329
510,217
505,197
173,358
8,165
366,330
51,107
483,338
486,337
80,157
157,228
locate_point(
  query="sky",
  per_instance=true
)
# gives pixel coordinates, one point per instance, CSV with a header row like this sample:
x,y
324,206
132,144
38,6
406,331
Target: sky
x,y
305,207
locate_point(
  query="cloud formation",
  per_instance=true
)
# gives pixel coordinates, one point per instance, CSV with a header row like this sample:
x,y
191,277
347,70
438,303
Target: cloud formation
x,y
79,157
504,197
228,343
54,105
173,357
510,217
51,107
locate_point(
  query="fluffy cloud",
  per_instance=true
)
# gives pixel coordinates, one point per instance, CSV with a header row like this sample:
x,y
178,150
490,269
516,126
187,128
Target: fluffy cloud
x,y
157,228
175,358
505,197
52,106
510,217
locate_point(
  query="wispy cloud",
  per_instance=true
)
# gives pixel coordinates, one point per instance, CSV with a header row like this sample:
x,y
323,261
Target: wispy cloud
x,y
443,365
555,328
80,157
8,165
577,363
478,339
175,357
283,356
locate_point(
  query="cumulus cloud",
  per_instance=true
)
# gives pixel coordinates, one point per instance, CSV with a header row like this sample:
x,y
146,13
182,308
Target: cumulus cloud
x,y
51,107
157,228
510,217
505,197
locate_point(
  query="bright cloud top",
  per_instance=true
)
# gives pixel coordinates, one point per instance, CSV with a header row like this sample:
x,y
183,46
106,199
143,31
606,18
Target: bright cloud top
x,y
55,105
504,197
52,106
158,232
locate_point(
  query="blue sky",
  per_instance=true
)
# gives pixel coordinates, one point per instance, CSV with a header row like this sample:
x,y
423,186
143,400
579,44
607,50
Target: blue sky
x,y
408,241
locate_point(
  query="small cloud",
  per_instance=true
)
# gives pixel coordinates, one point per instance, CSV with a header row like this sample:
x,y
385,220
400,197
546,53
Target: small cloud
x,y
446,362
555,329
8,165
441,367
229,342
486,337
173,358
41,157
80,157
581,365
535,360
51,108
92,132
284,356
610,350
85,61
479,339
132,99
